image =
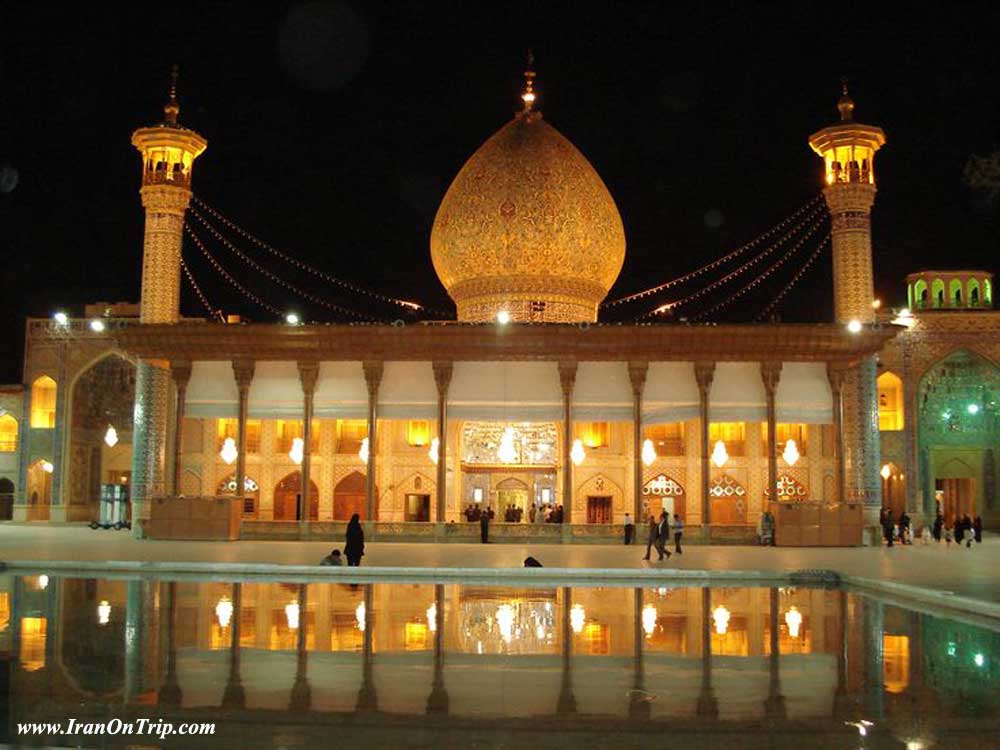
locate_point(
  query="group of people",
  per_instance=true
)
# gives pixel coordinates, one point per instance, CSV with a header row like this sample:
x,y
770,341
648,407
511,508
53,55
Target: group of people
x,y
893,531
658,536
965,529
515,514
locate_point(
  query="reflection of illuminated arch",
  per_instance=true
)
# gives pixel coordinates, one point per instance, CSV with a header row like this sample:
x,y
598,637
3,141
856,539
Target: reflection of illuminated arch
x,y
90,655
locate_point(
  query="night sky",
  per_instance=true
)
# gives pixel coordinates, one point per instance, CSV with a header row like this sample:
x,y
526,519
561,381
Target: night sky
x,y
335,129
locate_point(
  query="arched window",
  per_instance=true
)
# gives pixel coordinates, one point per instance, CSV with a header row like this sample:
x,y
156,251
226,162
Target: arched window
x,y
8,434
973,293
920,294
890,402
43,402
987,292
955,293
937,292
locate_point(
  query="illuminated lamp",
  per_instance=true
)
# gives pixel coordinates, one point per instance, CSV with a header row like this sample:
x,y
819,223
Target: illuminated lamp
x,y
293,319
972,409
649,619
719,454
720,616
577,617
363,452
505,621
111,437
503,317
359,616
47,467
793,619
97,325
435,450
292,613
224,612
854,326
298,450
876,304
791,453
886,471
432,617
43,582
506,452
103,612
577,453
648,452
61,318
229,451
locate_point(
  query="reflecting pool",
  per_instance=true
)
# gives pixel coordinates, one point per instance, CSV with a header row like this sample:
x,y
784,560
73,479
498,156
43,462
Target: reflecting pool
x,y
423,665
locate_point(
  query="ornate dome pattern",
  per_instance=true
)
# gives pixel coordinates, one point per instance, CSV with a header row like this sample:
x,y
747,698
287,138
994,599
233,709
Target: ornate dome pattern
x,y
528,227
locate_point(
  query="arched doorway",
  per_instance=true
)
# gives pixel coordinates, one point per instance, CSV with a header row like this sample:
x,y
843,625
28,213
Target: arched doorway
x,y
100,449
893,489
39,490
728,502
6,499
251,493
286,498
955,487
349,497
512,495
663,493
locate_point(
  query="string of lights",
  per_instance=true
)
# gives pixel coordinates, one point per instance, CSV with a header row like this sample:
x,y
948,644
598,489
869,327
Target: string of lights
x,y
761,277
724,259
817,219
794,280
281,282
212,312
225,274
406,304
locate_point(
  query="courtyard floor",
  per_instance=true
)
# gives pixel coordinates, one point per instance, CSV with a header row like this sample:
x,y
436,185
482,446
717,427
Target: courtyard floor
x,y
973,573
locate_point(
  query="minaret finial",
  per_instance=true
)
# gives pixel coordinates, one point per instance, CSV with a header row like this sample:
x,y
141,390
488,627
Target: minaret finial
x,y
172,108
528,95
846,104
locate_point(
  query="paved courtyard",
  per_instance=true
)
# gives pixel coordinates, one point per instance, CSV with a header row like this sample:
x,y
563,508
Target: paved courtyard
x,y
968,572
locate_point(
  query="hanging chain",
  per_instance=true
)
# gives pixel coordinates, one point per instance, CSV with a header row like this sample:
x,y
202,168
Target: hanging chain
x,y
411,306
201,295
794,280
759,279
225,274
724,259
278,280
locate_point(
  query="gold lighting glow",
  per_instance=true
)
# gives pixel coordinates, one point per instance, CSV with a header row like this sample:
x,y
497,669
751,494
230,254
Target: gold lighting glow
x,y
577,618
886,472
47,467
297,452
577,454
649,616
292,613
507,452
435,450
359,616
103,612
648,452
720,616
111,437
432,617
363,451
793,619
229,453
224,612
505,622
791,452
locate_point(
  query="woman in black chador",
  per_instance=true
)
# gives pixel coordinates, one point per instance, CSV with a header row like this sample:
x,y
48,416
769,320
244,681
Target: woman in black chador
x,y
354,549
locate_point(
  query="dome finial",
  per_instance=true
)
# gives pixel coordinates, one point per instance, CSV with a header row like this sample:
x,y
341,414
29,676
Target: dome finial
x,y
528,95
172,108
846,103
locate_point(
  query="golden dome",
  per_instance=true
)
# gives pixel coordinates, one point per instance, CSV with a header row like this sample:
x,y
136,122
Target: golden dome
x,y
528,227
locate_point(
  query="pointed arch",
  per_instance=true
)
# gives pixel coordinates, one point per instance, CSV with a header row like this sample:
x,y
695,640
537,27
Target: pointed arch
x,y
890,401
921,295
349,497
44,391
937,293
287,493
8,433
955,296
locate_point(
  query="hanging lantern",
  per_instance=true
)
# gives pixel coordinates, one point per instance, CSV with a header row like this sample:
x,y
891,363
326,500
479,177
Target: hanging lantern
x,y
793,619
363,453
720,615
791,452
229,452
886,471
577,453
224,612
649,616
507,452
719,454
577,617
43,582
432,617
434,451
47,467
648,452
292,615
111,437
103,612
297,451
359,616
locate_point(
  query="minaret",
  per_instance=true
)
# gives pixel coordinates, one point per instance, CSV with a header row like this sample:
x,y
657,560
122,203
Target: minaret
x,y
168,152
848,150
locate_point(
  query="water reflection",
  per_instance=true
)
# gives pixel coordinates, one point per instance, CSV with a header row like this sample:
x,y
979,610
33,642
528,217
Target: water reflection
x,y
706,660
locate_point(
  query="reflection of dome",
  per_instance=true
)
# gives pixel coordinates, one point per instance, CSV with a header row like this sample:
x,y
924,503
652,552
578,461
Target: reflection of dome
x,y
528,226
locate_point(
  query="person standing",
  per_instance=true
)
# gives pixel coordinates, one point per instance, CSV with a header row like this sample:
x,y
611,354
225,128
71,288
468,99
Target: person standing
x,y
663,535
354,547
629,529
678,533
651,538
977,529
938,525
904,528
484,527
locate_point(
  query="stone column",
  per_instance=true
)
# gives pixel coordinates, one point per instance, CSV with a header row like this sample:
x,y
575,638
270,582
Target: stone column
x,y
836,374
234,695
243,369
437,701
373,377
566,703
59,437
567,379
774,706
707,703
704,372
367,696
181,372
23,456
301,696
770,373
911,422
308,375
170,694
638,704
442,379
637,377
862,446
